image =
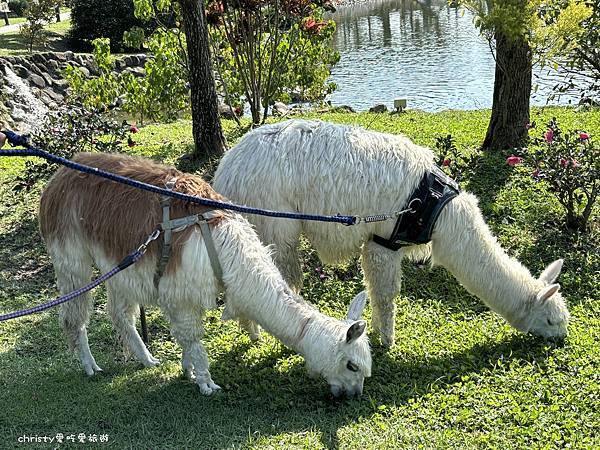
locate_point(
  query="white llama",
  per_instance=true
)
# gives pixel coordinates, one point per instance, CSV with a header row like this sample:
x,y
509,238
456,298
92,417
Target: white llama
x,y
87,220
323,168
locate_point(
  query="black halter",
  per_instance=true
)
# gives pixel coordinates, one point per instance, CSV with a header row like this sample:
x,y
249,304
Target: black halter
x,y
435,190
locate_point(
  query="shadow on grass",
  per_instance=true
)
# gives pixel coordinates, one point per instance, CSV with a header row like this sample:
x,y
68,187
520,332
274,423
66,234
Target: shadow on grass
x,y
157,407
14,43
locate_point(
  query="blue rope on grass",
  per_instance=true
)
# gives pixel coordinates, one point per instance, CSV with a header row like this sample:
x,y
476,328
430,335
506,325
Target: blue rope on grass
x,y
19,140
130,259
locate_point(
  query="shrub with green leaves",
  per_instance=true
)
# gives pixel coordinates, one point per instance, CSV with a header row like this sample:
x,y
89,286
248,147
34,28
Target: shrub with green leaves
x,y
37,13
92,19
569,163
160,95
458,165
68,130
268,50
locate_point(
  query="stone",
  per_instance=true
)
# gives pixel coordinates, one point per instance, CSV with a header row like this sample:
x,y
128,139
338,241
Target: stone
x,y
226,111
280,109
38,58
60,84
136,71
69,55
36,80
55,96
21,71
52,65
47,78
380,108
85,71
60,57
120,65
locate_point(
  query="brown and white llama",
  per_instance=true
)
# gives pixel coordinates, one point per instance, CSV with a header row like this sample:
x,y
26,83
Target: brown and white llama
x,y
323,168
86,220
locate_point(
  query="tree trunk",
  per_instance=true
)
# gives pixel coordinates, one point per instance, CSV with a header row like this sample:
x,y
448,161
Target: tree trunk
x,y
208,134
512,89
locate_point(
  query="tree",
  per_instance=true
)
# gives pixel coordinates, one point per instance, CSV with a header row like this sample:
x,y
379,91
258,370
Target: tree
x,y
521,37
208,135
269,49
206,124
38,13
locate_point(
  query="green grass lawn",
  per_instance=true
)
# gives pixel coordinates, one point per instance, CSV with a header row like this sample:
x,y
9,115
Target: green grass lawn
x,y
13,44
458,377
12,21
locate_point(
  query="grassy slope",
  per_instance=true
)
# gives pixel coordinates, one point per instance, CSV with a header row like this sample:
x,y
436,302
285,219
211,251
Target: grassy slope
x,y
13,44
458,377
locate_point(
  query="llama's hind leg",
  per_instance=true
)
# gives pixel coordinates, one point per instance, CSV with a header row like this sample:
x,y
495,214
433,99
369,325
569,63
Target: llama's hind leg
x,y
187,329
123,316
383,276
75,314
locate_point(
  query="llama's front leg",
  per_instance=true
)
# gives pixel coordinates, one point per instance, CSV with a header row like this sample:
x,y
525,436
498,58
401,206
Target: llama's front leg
x,y
383,276
123,316
75,314
250,327
187,329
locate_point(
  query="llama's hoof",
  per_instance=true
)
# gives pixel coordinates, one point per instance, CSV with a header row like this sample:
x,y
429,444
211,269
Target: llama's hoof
x,y
151,361
91,369
209,388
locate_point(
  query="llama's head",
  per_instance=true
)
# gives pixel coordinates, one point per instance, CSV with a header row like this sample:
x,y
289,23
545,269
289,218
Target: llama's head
x,y
549,316
345,360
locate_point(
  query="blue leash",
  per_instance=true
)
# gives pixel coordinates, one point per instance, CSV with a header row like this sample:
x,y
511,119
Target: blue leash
x,y
129,260
18,140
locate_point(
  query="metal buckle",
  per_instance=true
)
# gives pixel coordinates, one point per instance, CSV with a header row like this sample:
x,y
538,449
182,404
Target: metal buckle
x,y
155,234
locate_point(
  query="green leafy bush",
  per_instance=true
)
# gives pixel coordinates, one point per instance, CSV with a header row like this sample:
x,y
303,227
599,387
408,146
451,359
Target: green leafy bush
x,y
160,95
92,19
18,7
37,13
569,163
68,130
270,50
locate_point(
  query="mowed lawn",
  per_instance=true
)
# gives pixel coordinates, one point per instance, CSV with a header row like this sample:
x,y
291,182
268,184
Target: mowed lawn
x,y
458,377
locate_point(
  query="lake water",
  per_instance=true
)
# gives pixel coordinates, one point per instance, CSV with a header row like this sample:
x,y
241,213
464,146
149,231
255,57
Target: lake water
x,y
425,51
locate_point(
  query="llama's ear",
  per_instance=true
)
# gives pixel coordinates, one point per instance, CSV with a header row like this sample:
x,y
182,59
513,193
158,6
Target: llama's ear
x,y
551,273
355,331
357,305
547,292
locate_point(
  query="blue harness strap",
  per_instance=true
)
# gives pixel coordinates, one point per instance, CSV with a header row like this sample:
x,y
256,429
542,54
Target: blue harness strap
x,y
434,192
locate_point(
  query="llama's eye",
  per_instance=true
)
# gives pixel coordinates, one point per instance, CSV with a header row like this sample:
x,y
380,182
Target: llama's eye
x,y
352,367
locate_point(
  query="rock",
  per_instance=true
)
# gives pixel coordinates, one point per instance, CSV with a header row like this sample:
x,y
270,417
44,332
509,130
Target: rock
x,y
136,71
380,108
226,111
85,71
47,78
52,65
60,57
38,58
69,55
343,109
120,65
21,71
60,85
280,109
55,96
37,80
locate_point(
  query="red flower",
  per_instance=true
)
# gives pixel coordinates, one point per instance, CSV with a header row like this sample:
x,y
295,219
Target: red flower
x,y
446,162
133,129
563,162
309,23
514,160
584,136
549,135
238,110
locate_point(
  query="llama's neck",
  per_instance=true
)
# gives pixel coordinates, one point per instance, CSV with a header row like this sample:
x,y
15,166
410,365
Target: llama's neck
x,y
466,247
257,291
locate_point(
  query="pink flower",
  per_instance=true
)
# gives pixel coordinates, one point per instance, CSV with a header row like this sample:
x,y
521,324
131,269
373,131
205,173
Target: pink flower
x,y
574,163
584,136
528,126
446,162
133,129
549,135
514,160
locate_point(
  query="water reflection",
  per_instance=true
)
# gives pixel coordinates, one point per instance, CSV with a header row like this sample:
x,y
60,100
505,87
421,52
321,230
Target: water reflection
x,y
426,51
